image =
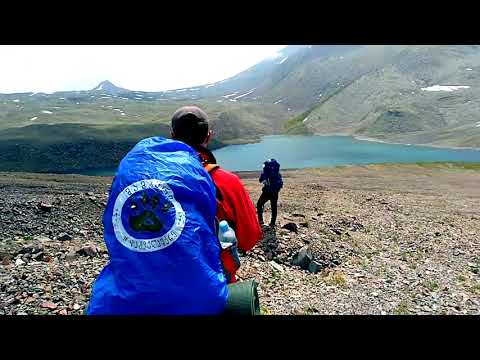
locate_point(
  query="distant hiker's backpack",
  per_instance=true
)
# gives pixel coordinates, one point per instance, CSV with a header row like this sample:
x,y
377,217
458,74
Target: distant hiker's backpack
x,y
271,174
159,228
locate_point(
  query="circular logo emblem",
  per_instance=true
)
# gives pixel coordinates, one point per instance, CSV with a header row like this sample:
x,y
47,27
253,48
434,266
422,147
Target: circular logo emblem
x,y
146,216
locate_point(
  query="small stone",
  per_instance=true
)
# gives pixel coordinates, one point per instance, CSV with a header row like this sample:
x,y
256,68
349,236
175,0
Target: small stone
x,y
31,249
292,227
336,231
30,300
90,193
11,301
63,312
64,237
298,215
71,256
276,266
42,239
22,313
48,305
45,207
38,256
76,307
19,262
261,258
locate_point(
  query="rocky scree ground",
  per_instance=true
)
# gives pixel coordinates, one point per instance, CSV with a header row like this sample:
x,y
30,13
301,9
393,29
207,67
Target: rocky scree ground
x,y
379,239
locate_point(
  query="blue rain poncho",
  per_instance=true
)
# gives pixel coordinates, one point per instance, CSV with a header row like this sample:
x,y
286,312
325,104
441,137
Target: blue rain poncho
x,y
159,228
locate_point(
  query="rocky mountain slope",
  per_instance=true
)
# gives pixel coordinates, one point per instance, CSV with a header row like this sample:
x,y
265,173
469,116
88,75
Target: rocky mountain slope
x,y
387,239
421,95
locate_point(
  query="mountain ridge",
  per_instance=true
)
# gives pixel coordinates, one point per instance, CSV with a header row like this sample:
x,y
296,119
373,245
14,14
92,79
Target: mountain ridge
x,y
109,87
391,93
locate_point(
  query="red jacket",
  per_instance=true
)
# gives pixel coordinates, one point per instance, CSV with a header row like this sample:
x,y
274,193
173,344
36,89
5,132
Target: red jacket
x,y
235,206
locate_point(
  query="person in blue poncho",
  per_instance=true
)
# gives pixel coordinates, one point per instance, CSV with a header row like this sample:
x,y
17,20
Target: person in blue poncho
x,y
159,229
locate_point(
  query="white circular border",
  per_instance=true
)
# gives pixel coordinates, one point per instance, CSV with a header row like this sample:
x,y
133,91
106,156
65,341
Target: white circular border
x,y
154,244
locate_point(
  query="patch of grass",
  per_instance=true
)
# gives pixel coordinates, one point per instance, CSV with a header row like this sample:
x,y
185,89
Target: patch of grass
x,y
296,126
450,165
395,122
310,311
265,311
476,268
402,309
431,285
476,288
364,263
336,278
28,238
461,278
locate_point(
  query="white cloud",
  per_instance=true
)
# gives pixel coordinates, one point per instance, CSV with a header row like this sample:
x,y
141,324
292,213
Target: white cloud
x,y
49,68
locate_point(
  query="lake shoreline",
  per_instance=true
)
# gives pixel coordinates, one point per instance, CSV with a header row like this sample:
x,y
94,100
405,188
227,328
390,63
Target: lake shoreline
x,y
364,138
371,139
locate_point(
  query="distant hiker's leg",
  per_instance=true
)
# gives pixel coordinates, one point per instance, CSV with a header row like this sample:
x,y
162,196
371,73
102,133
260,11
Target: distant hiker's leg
x,y
260,203
273,202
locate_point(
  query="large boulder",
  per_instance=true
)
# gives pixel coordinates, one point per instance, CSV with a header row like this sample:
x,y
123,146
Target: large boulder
x,y
302,257
64,237
88,250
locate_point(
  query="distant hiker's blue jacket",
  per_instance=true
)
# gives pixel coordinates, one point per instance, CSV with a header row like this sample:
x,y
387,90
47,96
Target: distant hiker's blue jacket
x,y
271,177
159,228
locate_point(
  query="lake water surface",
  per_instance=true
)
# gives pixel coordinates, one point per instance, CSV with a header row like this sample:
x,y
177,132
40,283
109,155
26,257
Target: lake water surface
x,y
295,151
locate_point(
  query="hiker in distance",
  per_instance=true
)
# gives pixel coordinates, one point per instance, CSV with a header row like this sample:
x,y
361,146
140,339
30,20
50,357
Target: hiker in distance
x,y
272,184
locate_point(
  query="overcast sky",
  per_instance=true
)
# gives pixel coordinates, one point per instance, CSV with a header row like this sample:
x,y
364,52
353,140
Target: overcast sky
x,y
46,68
